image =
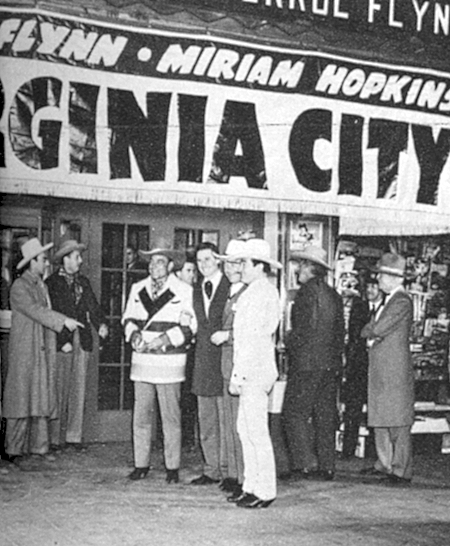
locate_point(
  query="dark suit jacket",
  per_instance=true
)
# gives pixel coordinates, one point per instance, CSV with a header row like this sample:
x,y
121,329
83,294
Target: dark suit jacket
x,y
207,377
88,311
357,361
316,341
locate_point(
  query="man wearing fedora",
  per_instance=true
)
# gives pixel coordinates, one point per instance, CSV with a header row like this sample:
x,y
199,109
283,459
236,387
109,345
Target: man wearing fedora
x,y
159,321
315,347
258,313
29,397
71,293
224,338
391,377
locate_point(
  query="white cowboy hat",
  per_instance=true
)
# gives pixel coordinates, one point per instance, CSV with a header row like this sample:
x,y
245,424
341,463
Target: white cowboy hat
x,y
256,249
66,248
234,247
30,250
162,249
312,253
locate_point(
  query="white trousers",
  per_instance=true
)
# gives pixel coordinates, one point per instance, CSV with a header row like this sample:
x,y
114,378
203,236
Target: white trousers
x,y
253,429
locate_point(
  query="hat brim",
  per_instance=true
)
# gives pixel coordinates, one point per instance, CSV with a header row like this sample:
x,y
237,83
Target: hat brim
x,y
295,257
24,261
59,254
389,271
253,256
170,254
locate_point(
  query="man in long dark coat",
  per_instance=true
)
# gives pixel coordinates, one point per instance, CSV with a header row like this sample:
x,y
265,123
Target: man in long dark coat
x,y
29,397
315,349
210,296
391,376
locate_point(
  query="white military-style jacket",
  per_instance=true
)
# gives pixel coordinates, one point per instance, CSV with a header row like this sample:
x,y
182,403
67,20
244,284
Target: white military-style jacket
x,y
172,314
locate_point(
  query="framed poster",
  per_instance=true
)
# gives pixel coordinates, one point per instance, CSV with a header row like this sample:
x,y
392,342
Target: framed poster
x,y
305,233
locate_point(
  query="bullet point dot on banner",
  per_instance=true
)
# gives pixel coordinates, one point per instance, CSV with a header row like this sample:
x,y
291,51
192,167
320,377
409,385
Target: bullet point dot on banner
x,y
144,54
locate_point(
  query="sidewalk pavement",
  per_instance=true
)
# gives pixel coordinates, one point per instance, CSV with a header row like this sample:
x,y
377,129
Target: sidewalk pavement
x,y
86,499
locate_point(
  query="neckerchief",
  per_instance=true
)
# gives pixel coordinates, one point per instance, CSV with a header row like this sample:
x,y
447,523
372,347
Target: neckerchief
x,y
73,282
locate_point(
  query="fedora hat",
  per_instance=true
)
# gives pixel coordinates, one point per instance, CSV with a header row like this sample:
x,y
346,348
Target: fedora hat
x,y
161,248
256,249
312,253
392,264
30,249
235,246
66,247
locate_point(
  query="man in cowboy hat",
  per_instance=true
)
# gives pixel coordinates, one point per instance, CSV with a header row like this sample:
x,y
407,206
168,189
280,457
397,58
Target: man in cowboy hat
x,y
315,348
391,377
224,338
159,321
71,293
258,313
29,395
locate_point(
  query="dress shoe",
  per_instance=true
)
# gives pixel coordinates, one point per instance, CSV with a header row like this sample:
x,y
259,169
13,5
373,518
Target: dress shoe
x,y
371,471
139,473
237,495
322,475
228,485
172,476
42,457
247,498
258,503
55,448
396,481
204,480
76,446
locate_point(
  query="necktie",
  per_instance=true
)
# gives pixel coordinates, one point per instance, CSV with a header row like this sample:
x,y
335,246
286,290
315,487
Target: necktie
x,y
208,289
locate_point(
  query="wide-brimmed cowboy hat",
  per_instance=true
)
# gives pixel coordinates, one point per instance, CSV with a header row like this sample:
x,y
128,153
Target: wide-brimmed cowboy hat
x,y
235,246
30,249
162,248
256,249
312,253
67,247
392,264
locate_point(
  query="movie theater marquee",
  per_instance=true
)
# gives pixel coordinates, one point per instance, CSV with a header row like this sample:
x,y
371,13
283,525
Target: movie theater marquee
x,y
428,17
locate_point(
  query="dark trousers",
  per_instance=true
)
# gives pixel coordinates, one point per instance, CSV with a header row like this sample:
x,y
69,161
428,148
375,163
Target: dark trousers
x,y
355,392
310,419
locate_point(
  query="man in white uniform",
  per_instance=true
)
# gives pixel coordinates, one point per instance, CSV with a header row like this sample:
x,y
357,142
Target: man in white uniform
x,y
159,321
254,373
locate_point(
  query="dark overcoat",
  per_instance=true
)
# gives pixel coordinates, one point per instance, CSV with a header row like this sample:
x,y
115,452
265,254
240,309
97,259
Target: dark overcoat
x,y
207,375
391,377
316,341
29,390
87,310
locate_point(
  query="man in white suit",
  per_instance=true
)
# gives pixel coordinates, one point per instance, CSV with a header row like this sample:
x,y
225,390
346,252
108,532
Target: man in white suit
x,y
254,372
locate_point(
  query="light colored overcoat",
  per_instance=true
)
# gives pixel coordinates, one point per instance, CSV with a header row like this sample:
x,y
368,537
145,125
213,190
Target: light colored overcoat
x,y
32,351
391,378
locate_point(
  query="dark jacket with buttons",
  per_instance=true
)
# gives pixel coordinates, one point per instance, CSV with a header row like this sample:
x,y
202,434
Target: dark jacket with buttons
x,y
87,311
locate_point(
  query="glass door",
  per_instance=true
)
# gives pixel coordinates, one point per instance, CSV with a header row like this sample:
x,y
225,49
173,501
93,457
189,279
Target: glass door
x,y
115,390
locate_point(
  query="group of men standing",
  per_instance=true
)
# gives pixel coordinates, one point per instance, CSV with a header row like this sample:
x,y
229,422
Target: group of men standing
x,y
232,318
44,394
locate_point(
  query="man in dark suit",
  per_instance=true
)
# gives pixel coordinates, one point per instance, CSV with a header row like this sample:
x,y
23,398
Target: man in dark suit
x,y
391,376
210,296
315,349
71,293
354,385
